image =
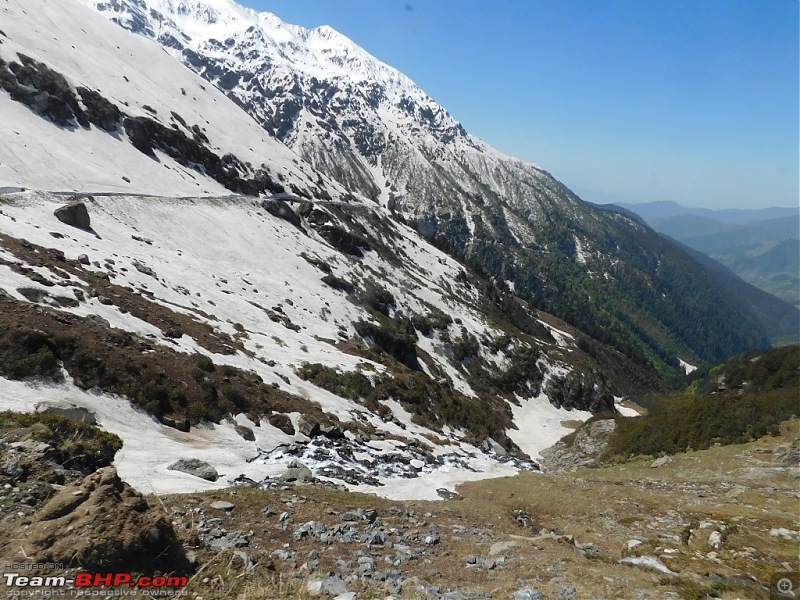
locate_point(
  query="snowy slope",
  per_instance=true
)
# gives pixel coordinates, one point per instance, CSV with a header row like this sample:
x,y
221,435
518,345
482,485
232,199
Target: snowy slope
x,y
208,260
142,80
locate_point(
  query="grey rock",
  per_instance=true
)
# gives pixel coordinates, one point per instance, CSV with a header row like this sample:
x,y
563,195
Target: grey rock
x,y
83,259
490,445
377,539
298,472
70,411
196,467
528,593
97,320
74,214
470,559
715,540
370,515
282,422
568,592
329,586
246,433
660,462
144,269
308,426
223,505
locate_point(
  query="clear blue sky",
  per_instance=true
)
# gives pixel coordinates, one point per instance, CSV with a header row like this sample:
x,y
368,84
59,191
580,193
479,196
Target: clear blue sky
x,y
694,101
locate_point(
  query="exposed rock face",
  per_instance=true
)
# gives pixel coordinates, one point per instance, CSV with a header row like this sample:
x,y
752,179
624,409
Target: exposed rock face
x,y
101,523
589,443
196,467
75,215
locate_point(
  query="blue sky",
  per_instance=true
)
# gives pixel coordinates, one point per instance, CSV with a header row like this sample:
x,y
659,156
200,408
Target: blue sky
x,y
694,101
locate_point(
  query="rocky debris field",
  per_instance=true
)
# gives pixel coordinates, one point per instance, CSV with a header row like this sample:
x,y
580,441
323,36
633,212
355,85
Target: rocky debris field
x,y
362,460
716,523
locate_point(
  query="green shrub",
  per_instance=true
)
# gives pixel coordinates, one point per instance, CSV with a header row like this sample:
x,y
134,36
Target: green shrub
x,y
205,363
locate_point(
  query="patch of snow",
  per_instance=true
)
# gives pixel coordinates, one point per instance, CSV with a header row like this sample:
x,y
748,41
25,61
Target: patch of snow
x,y
687,368
649,562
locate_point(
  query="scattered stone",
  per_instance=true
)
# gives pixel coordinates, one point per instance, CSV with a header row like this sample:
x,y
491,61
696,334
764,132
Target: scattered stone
x,y
223,505
329,586
196,467
784,534
144,269
96,320
568,592
298,472
660,462
446,494
83,259
632,544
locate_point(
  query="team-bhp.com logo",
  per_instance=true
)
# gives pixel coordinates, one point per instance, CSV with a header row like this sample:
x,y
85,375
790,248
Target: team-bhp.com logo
x,y
84,583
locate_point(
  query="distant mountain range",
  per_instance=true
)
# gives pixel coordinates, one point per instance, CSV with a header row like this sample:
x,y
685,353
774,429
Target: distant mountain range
x,y
762,246
374,132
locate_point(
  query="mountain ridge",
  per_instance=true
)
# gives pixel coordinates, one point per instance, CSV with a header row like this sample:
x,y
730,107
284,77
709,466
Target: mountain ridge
x,y
508,219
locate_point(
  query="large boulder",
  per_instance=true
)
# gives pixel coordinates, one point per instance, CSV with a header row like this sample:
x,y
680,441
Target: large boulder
x,y
196,467
298,472
282,422
68,410
74,214
308,426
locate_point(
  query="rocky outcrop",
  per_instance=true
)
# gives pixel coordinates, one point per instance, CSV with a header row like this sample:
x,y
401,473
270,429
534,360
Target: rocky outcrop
x,y
588,444
99,524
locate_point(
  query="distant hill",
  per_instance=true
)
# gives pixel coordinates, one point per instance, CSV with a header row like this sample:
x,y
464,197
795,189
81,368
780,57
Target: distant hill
x,y
653,211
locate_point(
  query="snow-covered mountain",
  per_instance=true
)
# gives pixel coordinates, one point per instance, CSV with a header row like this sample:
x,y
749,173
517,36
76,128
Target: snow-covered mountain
x,y
246,289
370,128
199,323
126,118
